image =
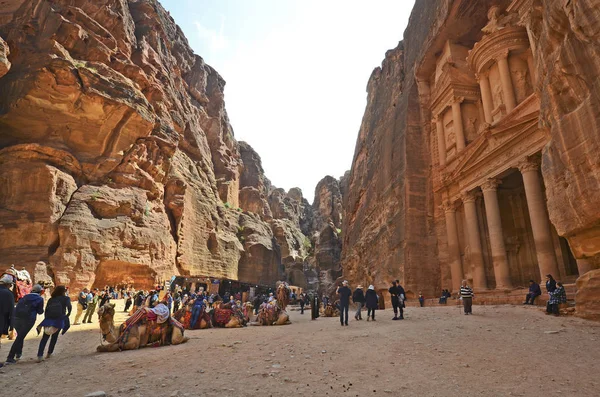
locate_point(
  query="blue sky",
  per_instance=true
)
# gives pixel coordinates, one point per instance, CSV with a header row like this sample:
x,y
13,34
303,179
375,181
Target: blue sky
x,y
296,73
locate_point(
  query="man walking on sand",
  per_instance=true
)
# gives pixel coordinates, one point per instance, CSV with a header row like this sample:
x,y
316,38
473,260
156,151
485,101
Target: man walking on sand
x,y
344,293
81,305
358,297
92,302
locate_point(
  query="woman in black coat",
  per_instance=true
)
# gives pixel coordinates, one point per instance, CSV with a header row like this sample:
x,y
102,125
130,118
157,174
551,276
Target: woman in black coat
x,y
372,302
314,307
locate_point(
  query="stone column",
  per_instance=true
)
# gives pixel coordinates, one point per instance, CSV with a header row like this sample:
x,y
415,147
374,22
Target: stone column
x,y
492,211
486,98
458,124
531,68
441,138
508,92
453,245
476,255
540,223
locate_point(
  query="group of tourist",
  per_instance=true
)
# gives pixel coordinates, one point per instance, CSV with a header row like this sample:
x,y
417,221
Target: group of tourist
x,y
556,294
370,300
23,317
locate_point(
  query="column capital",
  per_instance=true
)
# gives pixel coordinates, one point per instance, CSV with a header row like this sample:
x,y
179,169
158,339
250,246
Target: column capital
x,y
501,55
458,99
482,76
491,185
448,206
469,196
527,165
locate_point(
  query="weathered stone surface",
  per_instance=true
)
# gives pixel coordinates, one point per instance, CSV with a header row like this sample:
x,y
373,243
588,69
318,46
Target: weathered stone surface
x,y
261,259
118,163
4,63
568,67
588,295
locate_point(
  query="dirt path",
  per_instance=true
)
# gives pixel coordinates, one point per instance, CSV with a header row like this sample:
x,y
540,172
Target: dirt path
x,y
499,351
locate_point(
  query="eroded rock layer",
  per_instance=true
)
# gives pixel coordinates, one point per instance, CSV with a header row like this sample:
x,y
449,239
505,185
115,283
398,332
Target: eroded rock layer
x,y
118,163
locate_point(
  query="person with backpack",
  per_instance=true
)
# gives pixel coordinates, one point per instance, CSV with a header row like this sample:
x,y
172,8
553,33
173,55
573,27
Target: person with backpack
x,y
81,305
26,313
56,318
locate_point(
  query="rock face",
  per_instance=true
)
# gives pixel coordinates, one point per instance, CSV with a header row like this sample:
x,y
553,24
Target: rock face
x,y
476,157
118,163
588,295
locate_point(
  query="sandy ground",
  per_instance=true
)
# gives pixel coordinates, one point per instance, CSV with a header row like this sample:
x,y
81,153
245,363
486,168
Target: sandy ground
x,y
437,351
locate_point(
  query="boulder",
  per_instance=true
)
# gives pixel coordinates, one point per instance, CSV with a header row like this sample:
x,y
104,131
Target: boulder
x,y
587,299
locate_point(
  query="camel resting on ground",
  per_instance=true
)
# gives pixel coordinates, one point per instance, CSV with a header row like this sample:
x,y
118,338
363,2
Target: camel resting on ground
x,y
137,331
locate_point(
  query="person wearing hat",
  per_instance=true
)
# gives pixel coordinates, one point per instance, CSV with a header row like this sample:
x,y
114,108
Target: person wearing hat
x,y
26,313
344,292
372,301
7,304
358,297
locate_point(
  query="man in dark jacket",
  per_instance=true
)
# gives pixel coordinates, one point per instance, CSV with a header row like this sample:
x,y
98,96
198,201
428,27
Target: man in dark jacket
x,y
7,304
395,294
534,292
26,313
344,292
358,297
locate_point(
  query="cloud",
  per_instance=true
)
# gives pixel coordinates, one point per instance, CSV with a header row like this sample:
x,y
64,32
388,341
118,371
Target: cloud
x,y
216,39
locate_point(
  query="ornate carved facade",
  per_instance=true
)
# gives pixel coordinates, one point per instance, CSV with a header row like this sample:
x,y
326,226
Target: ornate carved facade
x,y
486,141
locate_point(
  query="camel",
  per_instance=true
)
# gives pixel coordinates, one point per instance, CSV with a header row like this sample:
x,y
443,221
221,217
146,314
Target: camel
x,y
283,295
330,311
184,316
139,334
272,314
225,316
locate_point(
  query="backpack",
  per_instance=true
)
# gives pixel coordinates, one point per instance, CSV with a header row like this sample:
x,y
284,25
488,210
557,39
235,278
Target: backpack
x,y
54,309
23,309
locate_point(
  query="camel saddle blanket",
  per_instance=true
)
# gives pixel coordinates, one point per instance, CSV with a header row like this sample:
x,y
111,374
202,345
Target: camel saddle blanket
x,y
222,316
141,317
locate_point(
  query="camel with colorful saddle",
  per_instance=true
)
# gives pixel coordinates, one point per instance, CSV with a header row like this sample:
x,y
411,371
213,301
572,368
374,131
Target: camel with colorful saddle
x,y
147,327
271,314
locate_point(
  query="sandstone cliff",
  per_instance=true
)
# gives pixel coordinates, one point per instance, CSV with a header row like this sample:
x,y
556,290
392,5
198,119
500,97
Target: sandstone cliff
x,y
394,226
118,163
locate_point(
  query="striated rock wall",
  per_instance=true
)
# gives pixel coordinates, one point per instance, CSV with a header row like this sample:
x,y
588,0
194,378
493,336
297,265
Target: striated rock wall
x,y
118,163
568,53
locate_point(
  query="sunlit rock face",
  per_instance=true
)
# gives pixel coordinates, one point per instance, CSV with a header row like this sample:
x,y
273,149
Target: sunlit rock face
x,y
118,163
476,158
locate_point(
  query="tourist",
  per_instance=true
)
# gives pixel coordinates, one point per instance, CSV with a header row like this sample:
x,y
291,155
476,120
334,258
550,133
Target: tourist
x,y
26,313
81,305
56,318
271,297
325,300
466,294
402,297
138,301
128,300
176,301
534,292
393,290
358,297
104,298
92,304
196,310
550,287
557,297
421,299
302,302
256,303
372,301
344,292
7,304
314,307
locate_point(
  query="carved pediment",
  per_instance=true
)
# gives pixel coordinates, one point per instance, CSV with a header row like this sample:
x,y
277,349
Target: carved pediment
x,y
493,142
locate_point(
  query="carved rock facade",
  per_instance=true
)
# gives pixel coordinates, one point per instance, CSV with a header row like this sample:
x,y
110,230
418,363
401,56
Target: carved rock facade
x,y
475,159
